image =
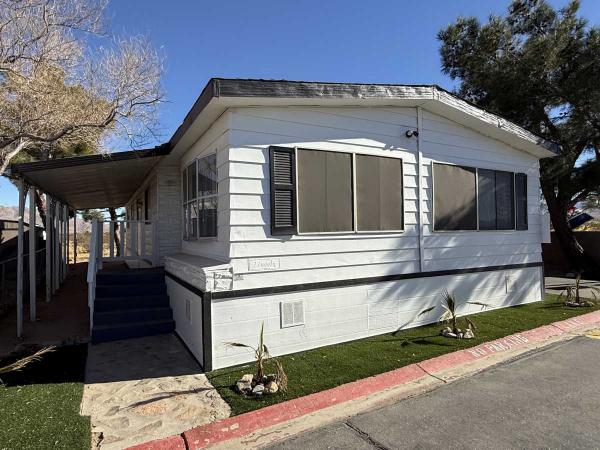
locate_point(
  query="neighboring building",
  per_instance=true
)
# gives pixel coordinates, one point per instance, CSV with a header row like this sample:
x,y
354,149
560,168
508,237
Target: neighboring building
x,y
332,212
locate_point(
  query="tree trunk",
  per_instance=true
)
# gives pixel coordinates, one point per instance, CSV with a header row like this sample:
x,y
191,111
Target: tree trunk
x,y
41,207
113,216
579,260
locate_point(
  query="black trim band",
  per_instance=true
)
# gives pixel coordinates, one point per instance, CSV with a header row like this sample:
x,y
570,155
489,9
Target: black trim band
x,y
207,332
360,281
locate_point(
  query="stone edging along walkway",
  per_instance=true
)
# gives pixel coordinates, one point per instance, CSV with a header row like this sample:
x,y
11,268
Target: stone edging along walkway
x,y
250,426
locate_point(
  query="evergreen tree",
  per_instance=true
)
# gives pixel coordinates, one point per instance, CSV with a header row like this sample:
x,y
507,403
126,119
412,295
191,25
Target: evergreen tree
x,y
540,68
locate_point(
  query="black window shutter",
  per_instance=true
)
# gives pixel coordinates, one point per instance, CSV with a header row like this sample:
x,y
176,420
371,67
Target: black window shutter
x,y
283,190
521,200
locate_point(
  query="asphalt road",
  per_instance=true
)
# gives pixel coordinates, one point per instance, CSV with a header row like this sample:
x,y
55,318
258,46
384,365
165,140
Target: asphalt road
x,y
546,399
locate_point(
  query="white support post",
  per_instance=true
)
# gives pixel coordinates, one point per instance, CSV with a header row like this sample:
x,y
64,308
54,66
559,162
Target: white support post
x,y
55,240
74,236
20,258
32,255
122,238
100,242
111,239
134,238
48,249
68,224
154,244
65,254
143,238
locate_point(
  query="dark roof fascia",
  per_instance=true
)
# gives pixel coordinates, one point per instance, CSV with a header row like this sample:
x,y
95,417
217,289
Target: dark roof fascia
x,y
23,168
228,87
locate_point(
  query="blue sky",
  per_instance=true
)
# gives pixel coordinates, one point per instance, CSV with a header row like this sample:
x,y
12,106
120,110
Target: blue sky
x,y
325,40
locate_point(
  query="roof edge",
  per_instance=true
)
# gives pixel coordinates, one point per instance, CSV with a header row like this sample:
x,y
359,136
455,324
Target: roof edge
x,y
239,87
22,168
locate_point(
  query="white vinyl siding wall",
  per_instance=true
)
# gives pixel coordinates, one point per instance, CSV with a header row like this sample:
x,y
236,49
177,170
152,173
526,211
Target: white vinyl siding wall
x,y
316,257
214,140
446,141
377,131
347,313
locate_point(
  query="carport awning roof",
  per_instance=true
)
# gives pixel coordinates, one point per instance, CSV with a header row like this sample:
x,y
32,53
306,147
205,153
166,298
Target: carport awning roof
x,y
94,181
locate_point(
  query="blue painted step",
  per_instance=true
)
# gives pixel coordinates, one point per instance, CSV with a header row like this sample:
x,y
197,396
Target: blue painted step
x,y
133,276
134,302
132,316
130,290
106,333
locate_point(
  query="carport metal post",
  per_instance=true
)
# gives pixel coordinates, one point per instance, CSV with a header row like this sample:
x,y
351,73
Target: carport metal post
x,y
48,248
74,236
56,255
32,255
21,184
65,241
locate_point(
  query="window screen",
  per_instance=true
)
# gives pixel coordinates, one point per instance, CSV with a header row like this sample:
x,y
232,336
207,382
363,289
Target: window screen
x,y
521,200
200,198
454,197
378,193
324,191
505,212
487,199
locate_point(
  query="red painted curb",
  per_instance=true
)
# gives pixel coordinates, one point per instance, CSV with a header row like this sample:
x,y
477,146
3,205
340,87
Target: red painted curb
x,y
235,427
243,424
579,321
171,443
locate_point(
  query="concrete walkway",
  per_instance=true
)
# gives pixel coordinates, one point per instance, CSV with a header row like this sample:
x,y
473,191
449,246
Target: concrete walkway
x,y
143,389
545,399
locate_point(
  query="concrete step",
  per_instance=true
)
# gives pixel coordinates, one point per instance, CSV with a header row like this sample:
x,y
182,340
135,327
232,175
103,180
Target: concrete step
x,y
132,316
106,333
130,290
131,302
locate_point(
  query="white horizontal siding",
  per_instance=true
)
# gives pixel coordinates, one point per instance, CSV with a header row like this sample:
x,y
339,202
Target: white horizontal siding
x,y
314,257
448,142
343,314
244,179
214,140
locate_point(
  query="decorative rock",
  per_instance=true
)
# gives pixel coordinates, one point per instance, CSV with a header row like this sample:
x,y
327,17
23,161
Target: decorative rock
x,y
258,390
468,334
447,332
244,384
247,378
242,387
271,387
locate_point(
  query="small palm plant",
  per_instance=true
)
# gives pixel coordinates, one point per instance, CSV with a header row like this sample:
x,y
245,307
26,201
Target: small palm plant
x,y
450,305
573,297
261,356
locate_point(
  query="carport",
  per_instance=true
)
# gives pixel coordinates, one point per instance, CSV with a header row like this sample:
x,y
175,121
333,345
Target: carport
x,y
72,184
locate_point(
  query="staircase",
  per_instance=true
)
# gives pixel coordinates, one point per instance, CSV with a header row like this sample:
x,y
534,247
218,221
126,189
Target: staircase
x,y
131,303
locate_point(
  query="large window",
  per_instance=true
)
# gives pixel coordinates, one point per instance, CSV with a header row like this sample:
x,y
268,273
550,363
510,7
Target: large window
x,y
466,198
324,191
200,198
315,191
378,193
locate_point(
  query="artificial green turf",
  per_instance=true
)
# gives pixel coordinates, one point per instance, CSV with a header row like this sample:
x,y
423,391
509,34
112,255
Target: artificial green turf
x,y
39,406
327,367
